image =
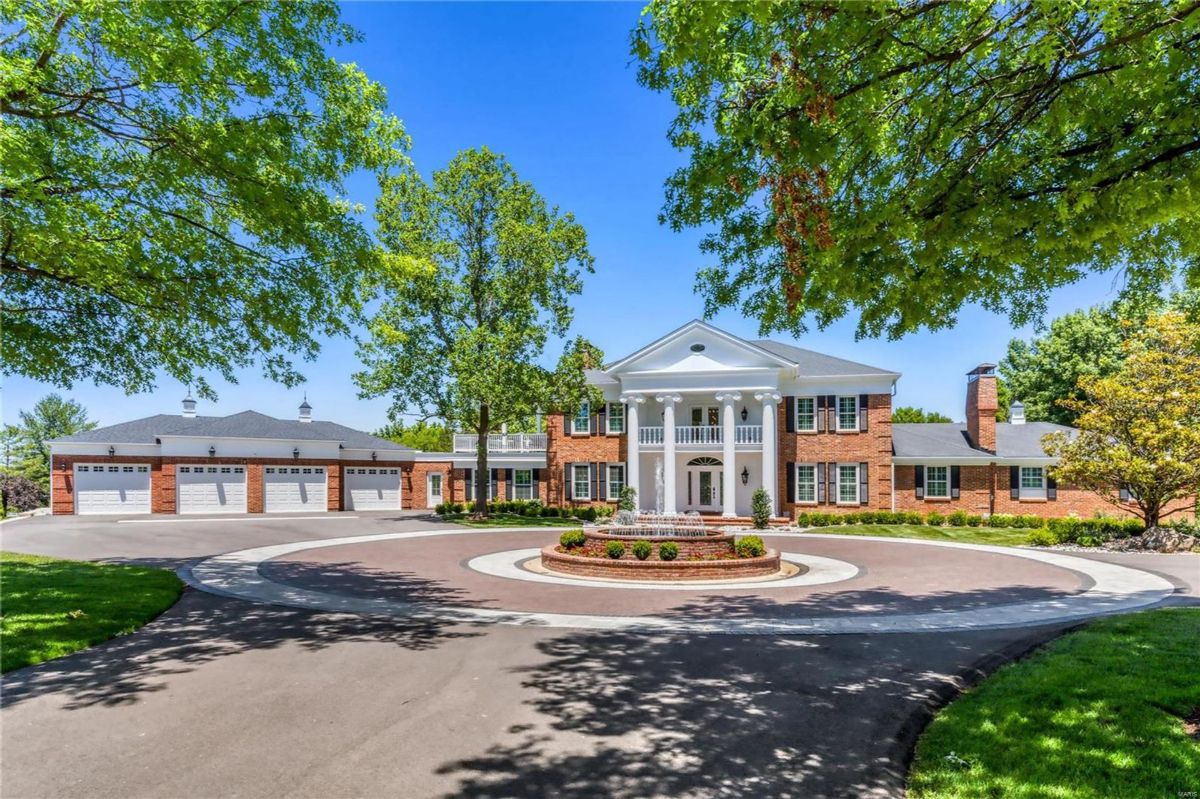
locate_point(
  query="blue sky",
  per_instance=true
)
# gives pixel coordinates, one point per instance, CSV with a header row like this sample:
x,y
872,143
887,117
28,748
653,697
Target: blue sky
x,y
552,87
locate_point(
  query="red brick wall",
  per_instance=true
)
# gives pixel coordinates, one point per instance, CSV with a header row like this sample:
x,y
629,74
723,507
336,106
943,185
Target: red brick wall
x,y
873,447
416,483
975,496
981,411
562,449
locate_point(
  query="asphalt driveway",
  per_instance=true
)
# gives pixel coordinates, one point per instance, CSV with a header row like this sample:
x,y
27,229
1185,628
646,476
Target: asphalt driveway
x,y
221,697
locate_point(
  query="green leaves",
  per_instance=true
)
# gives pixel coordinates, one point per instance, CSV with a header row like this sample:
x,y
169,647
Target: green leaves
x,y
901,160
172,185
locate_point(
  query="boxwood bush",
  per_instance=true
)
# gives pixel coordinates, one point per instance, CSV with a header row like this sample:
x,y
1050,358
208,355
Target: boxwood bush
x,y
642,549
615,549
572,539
934,519
668,550
958,518
750,546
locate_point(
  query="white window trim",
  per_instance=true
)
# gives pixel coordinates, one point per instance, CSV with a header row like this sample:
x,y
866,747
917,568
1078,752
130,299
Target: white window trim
x,y
837,485
815,488
812,429
575,467
609,483
517,485
608,417
929,494
585,413
1030,493
853,428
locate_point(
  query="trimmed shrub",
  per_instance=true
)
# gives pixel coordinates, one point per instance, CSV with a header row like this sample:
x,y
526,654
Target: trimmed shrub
x,y
642,549
668,550
572,539
802,519
548,512
958,518
1090,541
760,508
909,517
1000,520
934,519
588,514
1041,537
974,520
604,511
615,549
750,546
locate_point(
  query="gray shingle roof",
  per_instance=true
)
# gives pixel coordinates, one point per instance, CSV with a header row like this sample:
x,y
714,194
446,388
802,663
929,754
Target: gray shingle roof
x,y
247,424
816,364
950,440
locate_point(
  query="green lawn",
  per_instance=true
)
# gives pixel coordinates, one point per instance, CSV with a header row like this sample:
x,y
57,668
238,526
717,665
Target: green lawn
x,y
999,536
512,520
1098,714
54,607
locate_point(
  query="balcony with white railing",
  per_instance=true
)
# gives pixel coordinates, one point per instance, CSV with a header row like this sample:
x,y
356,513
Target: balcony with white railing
x,y
502,442
702,436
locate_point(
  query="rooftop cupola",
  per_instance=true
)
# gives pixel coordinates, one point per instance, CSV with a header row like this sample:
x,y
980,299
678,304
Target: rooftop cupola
x,y
1016,413
189,406
305,410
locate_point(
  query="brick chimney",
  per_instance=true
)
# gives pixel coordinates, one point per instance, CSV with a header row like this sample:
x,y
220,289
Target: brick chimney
x,y
981,406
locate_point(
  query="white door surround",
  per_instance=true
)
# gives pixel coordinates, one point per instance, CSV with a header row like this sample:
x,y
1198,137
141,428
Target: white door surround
x,y
371,488
112,488
705,481
215,488
294,489
435,488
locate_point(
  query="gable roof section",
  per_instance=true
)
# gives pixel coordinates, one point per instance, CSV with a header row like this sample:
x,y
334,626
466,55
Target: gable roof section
x,y
247,424
817,364
949,440
697,324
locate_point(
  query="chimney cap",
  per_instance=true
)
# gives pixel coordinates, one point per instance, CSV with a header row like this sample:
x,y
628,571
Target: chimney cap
x,y
983,369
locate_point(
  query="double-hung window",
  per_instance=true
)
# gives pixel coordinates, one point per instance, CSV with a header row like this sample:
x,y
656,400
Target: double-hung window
x,y
937,481
847,413
581,481
616,480
582,424
806,414
616,417
806,482
523,483
847,483
1033,482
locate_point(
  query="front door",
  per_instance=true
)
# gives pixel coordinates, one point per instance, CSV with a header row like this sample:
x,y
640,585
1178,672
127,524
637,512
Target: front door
x,y
705,488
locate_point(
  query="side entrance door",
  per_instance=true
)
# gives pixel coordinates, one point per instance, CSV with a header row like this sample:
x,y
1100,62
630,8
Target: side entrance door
x,y
434,484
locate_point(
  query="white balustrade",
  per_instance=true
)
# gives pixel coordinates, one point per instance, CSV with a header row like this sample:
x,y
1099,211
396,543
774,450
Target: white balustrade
x,y
702,435
650,435
748,434
502,442
698,434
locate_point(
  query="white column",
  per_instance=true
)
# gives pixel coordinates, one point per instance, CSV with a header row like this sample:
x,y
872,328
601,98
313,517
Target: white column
x,y
728,439
633,443
769,443
668,402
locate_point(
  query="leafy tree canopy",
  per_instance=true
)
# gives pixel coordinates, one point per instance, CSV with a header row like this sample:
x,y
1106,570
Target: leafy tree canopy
x,y
27,447
902,159
479,273
172,187
1139,427
422,435
906,414
1085,343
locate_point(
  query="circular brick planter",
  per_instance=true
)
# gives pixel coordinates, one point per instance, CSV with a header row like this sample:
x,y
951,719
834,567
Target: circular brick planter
x,y
630,568
690,546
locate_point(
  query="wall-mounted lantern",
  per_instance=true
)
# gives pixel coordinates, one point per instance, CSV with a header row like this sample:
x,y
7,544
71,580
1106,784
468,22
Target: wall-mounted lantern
x,y
295,452
374,456
745,413
745,475
212,451
112,451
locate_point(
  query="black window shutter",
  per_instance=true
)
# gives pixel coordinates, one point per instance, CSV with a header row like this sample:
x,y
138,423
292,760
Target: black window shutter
x,y
1051,488
595,475
820,413
919,481
863,400
831,409
508,484
602,419
468,493
566,424
568,486
791,481
820,483
1014,482
789,414
492,487
955,478
602,482
863,484
534,476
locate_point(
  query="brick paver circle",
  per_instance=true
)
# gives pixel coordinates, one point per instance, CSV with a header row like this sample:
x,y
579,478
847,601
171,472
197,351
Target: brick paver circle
x,y
857,585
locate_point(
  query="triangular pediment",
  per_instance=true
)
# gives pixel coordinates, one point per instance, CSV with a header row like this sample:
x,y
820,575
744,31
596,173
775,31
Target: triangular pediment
x,y
697,347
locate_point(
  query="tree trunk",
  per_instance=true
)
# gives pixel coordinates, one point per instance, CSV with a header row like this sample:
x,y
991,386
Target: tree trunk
x,y
1150,515
483,477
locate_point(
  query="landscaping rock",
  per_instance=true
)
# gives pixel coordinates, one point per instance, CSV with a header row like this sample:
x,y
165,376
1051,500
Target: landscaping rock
x,y
1156,539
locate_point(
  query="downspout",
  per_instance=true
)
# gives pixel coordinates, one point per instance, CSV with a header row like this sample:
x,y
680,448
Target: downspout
x,y
893,484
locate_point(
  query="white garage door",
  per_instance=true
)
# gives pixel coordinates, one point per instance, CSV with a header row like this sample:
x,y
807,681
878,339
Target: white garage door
x,y
372,489
210,489
112,488
294,488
